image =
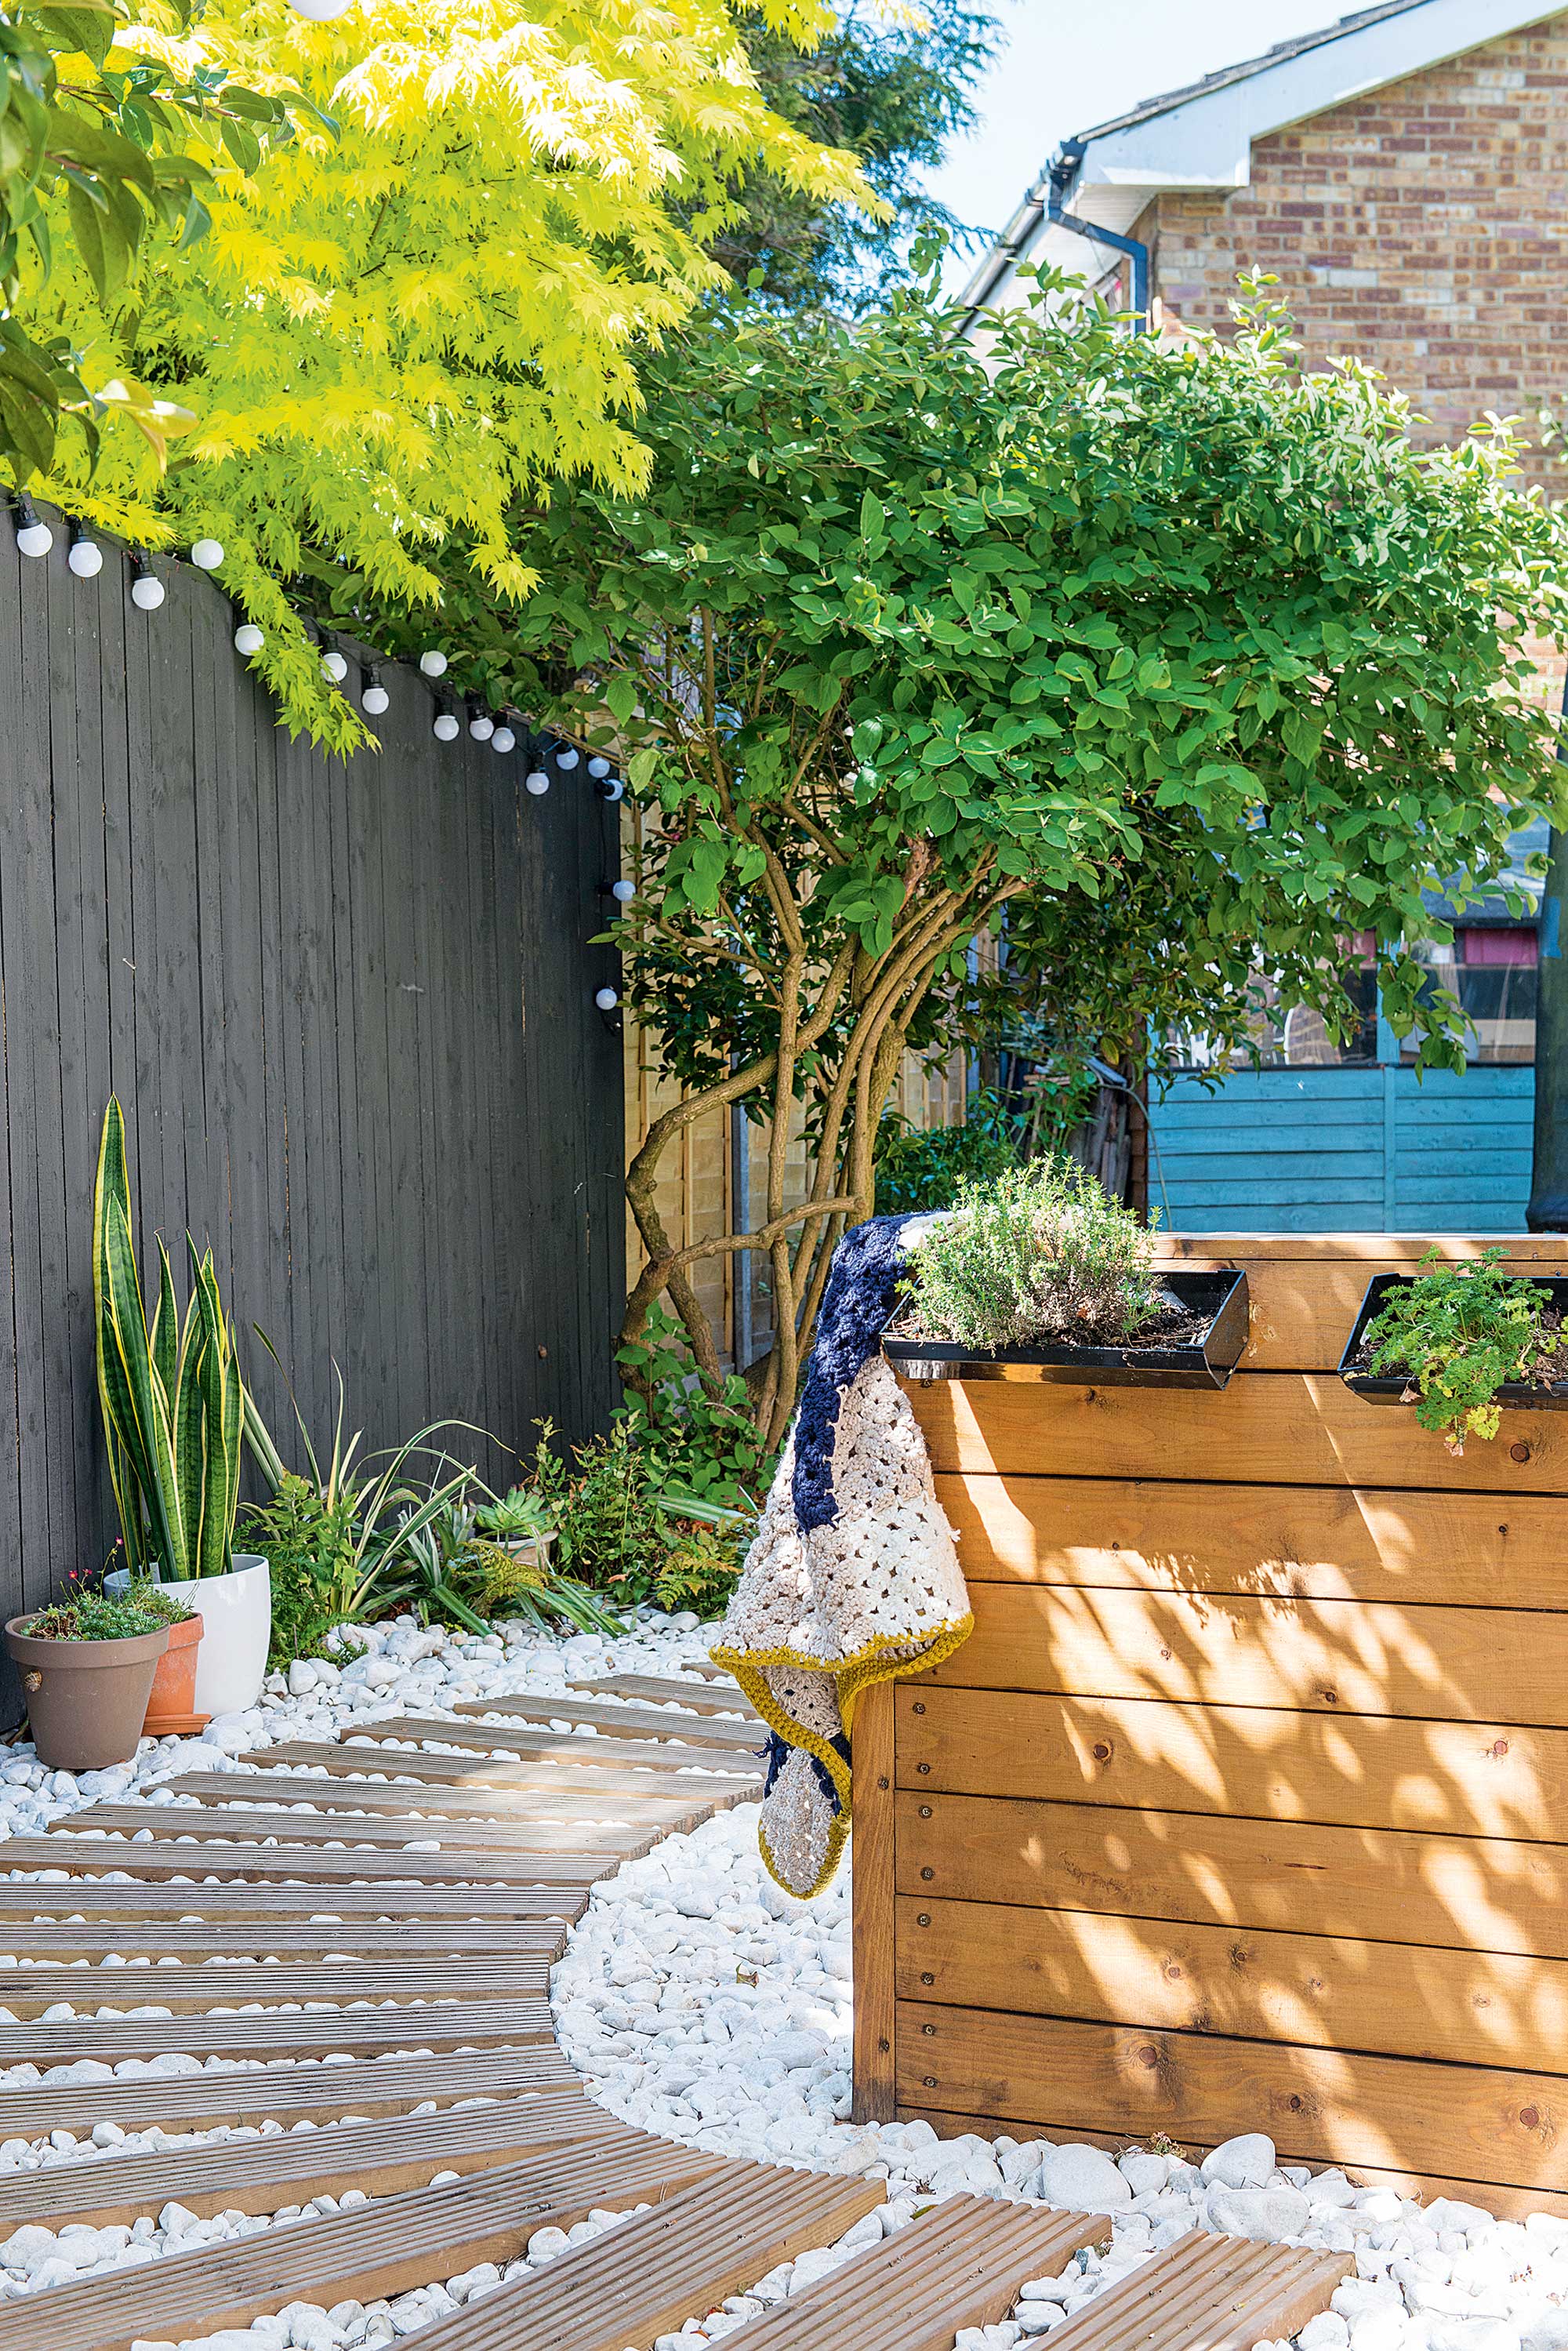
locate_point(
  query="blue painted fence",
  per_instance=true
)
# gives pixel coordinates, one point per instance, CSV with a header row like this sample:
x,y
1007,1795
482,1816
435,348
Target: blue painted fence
x,y
1345,1150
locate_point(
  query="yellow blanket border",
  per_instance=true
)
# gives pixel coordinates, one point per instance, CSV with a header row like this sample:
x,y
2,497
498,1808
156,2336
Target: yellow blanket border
x,y
850,1676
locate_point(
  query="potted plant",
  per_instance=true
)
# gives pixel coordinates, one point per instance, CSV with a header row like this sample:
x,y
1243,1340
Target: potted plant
x,y
1460,1342
518,1522
86,1664
1038,1274
174,1414
171,1704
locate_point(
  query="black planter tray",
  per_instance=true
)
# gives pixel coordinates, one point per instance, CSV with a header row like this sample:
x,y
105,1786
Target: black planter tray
x,y
1389,1387
1204,1362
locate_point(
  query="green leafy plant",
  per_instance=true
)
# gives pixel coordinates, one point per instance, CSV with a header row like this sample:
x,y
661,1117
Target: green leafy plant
x,y
1460,1333
629,1534
439,1564
698,1444
515,1516
95,1616
925,1167
308,1541
174,1403
1040,1254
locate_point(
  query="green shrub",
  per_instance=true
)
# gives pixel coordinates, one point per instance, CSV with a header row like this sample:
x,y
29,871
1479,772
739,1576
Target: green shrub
x,y
701,1446
626,1532
1459,1332
926,1168
309,1543
1039,1254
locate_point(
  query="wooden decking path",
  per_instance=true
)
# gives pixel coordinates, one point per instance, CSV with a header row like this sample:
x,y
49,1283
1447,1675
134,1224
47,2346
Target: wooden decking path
x,y
376,1966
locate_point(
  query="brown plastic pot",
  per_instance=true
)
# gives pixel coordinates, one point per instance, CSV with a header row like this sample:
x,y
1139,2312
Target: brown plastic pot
x,y
173,1705
86,1699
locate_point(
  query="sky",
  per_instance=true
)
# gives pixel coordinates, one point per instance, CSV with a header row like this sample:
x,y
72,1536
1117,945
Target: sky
x,y
1069,64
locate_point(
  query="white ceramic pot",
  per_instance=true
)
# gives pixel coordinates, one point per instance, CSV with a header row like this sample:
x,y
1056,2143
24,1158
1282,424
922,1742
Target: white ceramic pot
x,y
236,1611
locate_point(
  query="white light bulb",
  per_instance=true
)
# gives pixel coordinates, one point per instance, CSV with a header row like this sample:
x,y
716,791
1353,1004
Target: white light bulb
x,y
433,663
482,726
207,554
606,999
334,666
147,594
445,729
597,768
248,638
85,559
35,538
376,700
566,759
320,11
624,892
503,739
537,781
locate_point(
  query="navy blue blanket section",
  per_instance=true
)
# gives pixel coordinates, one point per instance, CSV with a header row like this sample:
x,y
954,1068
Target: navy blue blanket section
x,y
857,1304
857,1307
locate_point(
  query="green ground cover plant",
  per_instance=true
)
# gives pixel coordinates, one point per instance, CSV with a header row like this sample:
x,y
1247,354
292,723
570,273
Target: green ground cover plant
x,y
1461,1332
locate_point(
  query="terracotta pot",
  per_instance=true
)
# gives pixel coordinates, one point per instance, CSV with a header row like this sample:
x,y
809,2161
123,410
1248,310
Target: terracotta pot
x,y
236,1612
173,1705
86,1699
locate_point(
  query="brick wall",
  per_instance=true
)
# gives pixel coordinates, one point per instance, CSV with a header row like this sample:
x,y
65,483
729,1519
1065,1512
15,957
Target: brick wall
x,y
1423,226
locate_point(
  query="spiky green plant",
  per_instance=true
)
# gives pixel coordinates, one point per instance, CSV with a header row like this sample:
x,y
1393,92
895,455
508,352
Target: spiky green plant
x,y
174,1403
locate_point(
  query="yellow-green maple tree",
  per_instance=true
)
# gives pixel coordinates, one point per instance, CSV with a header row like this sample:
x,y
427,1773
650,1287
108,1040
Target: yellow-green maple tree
x,y
396,329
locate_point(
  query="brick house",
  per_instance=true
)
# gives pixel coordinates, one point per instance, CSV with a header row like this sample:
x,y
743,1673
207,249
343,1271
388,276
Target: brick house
x,y
1404,174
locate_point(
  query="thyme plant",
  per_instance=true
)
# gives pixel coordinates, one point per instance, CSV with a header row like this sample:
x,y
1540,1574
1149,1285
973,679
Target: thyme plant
x,y
1040,1254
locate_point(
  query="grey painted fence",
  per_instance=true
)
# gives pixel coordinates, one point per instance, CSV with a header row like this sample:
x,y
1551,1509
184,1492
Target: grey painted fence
x,y
348,1010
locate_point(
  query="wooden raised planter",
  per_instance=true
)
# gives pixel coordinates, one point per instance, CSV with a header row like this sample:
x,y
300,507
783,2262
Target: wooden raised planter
x,y
1246,1804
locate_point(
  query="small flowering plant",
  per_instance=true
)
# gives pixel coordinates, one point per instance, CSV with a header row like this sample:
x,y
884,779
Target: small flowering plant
x,y
1460,1333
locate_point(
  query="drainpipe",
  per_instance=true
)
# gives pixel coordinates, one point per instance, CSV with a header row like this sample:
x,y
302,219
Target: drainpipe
x,y
1548,1208
1044,202
1062,172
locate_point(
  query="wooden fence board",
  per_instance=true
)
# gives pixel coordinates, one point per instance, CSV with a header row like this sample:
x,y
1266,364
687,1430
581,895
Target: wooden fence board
x,y
1272,1428
1317,2106
1334,1657
1466,1778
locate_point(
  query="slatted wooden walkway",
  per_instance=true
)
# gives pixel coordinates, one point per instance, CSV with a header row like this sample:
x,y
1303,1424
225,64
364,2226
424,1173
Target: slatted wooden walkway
x,y
377,1967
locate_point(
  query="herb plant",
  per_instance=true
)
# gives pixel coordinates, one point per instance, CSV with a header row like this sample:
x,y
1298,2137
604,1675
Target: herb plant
x,y
1460,1333
1036,1255
95,1616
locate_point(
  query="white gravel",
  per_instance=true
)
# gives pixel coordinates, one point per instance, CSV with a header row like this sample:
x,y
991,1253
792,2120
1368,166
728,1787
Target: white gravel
x,y
703,2003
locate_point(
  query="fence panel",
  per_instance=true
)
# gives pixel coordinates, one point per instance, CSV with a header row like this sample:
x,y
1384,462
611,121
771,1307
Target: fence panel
x,y
348,1010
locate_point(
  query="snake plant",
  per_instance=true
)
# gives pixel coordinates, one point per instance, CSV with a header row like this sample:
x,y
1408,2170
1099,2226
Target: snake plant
x,y
174,1403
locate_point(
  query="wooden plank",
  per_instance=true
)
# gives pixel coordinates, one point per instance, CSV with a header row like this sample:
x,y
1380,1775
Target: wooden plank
x,y
266,2174
282,2032
232,1823
641,1769
375,2251
287,2094
1317,2106
872,1890
622,1721
188,1990
565,1747
649,2276
606,1797
1329,1657
656,1689
1211,2291
1274,1428
1303,1542
410,1938
35,1900
1457,2007
1449,1892
91,1857
1466,1778
958,2265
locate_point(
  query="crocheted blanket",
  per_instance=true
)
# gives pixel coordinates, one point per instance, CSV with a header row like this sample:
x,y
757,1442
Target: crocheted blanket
x,y
852,1578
